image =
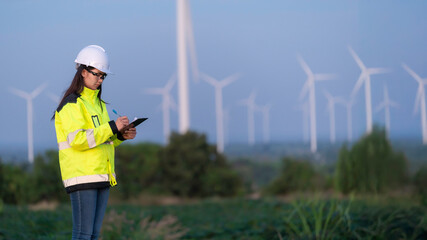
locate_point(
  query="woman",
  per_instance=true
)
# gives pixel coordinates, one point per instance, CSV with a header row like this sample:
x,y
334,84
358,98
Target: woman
x,y
86,140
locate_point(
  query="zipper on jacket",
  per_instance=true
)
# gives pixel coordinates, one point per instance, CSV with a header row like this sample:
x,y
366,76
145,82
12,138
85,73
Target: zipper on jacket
x,y
112,178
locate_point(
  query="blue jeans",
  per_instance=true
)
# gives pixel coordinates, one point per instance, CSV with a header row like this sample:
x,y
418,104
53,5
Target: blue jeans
x,y
88,211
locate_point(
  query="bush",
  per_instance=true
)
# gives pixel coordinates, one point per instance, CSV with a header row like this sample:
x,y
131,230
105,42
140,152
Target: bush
x,y
370,166
296,175
137,169
15,187
21,185
190,167
45,178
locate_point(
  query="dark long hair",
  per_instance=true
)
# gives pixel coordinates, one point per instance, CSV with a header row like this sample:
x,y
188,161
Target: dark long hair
x,y
77,86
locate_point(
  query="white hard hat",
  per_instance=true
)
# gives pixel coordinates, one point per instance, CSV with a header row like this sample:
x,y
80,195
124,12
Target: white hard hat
x,y
94,56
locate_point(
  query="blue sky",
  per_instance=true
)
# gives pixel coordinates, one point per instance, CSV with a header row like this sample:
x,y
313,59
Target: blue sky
x,y
39,41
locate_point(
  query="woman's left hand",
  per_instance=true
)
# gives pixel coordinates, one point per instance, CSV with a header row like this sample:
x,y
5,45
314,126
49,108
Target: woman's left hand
x,y
130,133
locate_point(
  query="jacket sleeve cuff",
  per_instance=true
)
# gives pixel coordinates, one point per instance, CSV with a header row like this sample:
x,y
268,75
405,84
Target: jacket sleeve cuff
x,y
113,127
120,136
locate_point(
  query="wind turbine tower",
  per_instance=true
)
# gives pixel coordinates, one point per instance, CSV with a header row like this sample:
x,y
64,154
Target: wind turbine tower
x,y
226,112
386,104
185,38
250,102
310,87
331,109
304,108
29,97
348,105
167,103
420,100
265,110
365,78
218,85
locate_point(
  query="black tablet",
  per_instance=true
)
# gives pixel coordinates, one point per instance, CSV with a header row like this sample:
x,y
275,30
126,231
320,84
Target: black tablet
x,y
134,123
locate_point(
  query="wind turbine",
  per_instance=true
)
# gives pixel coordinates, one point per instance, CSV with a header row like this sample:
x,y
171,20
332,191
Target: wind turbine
x,y
167,103
304,108
265,110
250,102
386,104
365,77
29,97
309,87
218,106
55,98
420,100
348,105
331,109
226,112
185,38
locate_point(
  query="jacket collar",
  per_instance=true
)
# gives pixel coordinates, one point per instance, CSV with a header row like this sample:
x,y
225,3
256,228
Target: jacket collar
x,y
89,94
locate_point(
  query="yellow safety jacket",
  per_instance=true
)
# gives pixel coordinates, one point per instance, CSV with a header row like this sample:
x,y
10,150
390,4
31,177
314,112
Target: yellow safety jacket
x,y
86,141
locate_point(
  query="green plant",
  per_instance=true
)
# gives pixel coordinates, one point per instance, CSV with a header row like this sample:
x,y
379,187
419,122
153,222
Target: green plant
x,y
318,219
190,167
296,175
1,206
45,181
370,166
119,226
420,182
137,169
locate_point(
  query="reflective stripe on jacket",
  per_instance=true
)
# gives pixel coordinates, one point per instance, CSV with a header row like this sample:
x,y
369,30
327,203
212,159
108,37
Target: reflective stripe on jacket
x,y
86,140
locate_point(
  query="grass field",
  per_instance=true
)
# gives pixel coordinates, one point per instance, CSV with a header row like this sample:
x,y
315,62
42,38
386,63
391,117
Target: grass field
x,y
231,219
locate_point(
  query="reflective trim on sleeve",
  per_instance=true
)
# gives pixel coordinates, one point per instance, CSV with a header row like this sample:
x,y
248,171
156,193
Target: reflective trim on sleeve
x,y
86,179
72,135
90,138
63,145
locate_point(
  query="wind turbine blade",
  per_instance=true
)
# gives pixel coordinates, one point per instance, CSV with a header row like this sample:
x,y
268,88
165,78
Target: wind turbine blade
x,y
190,40
304,66
229,79
172,103
209,79
412,73
19,93
378,70
322,77
38,90
358,85
170,83
304,90
154,91
327,95
380,106
418,98
394,104
54,97
357,59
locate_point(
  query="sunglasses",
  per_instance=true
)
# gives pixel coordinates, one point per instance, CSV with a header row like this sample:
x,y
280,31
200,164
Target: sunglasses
x,y
100,75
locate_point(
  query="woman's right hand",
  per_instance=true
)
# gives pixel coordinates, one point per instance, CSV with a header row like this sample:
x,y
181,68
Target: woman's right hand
x,y
122,122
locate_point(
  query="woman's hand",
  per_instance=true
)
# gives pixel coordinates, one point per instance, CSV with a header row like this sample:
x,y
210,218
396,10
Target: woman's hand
x,y
122,122
129,134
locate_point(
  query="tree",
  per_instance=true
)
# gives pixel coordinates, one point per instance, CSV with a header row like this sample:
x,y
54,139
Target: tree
x,y
137,168
189,166
45,178
370,166
296,175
